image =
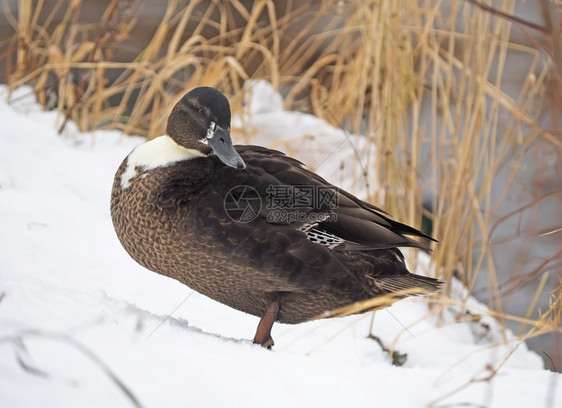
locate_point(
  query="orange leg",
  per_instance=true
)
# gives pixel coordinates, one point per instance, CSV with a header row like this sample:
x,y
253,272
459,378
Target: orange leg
x,y
263,333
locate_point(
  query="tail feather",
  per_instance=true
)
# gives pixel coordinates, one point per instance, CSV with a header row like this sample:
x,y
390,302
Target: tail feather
x,y
410,284
394,288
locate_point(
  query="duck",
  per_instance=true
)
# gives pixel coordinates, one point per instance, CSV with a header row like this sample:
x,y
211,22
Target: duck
x,y
253,228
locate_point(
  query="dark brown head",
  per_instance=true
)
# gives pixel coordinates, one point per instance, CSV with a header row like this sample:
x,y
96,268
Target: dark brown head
x,y
201,121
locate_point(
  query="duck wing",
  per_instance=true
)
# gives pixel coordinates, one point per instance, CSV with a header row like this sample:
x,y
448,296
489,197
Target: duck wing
x,y
361,225
297,253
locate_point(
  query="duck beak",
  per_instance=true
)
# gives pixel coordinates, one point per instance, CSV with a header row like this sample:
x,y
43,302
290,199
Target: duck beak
x,y
221,143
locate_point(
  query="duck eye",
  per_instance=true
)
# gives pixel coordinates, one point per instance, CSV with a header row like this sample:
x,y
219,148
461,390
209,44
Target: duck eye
x,y
202,111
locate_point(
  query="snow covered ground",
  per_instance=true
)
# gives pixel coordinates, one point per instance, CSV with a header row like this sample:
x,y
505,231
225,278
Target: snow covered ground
x,y
81,324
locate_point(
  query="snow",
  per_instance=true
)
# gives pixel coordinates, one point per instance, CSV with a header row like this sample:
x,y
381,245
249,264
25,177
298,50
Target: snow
x,y
81,324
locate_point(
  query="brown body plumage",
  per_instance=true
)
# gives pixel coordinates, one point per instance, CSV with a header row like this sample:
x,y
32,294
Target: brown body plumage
x,y
172,216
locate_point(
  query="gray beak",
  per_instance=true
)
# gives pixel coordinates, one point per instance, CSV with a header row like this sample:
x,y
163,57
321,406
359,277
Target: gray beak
x,y
221,143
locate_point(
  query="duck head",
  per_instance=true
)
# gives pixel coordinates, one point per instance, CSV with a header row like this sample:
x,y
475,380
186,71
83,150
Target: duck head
x,y
201,121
